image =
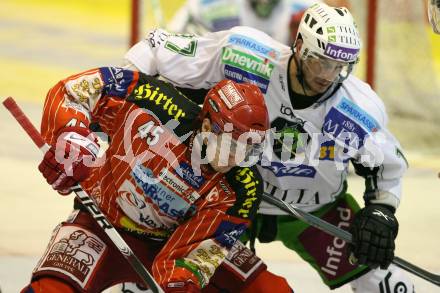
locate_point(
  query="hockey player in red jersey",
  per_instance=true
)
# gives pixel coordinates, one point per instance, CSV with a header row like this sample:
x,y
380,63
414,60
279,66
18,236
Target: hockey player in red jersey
x,y
161,182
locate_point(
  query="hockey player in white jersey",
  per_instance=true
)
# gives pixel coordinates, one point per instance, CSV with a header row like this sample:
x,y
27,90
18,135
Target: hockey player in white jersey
x,y
324,119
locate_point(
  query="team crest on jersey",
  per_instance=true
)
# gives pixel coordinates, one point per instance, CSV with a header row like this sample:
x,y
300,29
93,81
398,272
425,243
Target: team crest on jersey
x,y
74,252
290,138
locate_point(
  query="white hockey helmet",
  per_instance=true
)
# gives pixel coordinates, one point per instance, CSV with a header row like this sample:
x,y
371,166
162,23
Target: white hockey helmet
x,y
329,32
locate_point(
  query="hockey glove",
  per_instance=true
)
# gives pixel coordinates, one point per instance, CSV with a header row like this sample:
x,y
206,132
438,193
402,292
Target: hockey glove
x,y
374,229
70,160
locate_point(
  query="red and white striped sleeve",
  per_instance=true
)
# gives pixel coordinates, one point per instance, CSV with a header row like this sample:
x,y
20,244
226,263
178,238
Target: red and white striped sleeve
x,y
199,246
91,95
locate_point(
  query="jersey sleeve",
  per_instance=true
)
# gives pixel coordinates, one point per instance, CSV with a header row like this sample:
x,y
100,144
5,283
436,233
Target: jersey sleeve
x,y
184,60
381,160
90,96
198,247
201,244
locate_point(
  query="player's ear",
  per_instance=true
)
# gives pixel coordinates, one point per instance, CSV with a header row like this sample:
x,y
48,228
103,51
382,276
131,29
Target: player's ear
x,y
206,125
298,44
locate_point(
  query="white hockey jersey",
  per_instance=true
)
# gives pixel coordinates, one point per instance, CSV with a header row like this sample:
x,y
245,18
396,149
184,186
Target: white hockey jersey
x,y
200,16
310,166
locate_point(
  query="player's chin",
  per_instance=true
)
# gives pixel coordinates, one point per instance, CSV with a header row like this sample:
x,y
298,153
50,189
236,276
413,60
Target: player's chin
x,y
321,86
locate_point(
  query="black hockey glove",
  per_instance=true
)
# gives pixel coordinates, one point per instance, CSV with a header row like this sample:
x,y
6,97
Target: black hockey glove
x,y
374,229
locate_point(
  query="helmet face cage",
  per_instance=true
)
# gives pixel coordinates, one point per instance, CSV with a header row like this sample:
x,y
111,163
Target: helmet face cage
x,y
329,33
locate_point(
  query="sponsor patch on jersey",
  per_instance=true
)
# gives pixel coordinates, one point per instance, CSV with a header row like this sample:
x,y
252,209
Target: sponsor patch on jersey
x,y
247,62
242,261
178,185
228,233
140,212
358,115
342,128
239,75
167,201
283,169
254,46
157,96
74,252
171,179
246,186
187,173
116,81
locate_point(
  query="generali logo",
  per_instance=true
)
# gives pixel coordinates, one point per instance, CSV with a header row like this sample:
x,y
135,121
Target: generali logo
x,y
75,252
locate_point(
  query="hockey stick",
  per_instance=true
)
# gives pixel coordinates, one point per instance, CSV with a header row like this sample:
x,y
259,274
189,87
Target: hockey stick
x,y
344,235
86,200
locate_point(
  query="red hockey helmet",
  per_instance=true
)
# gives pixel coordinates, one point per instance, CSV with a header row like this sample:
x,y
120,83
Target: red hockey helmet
x,y
242,105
